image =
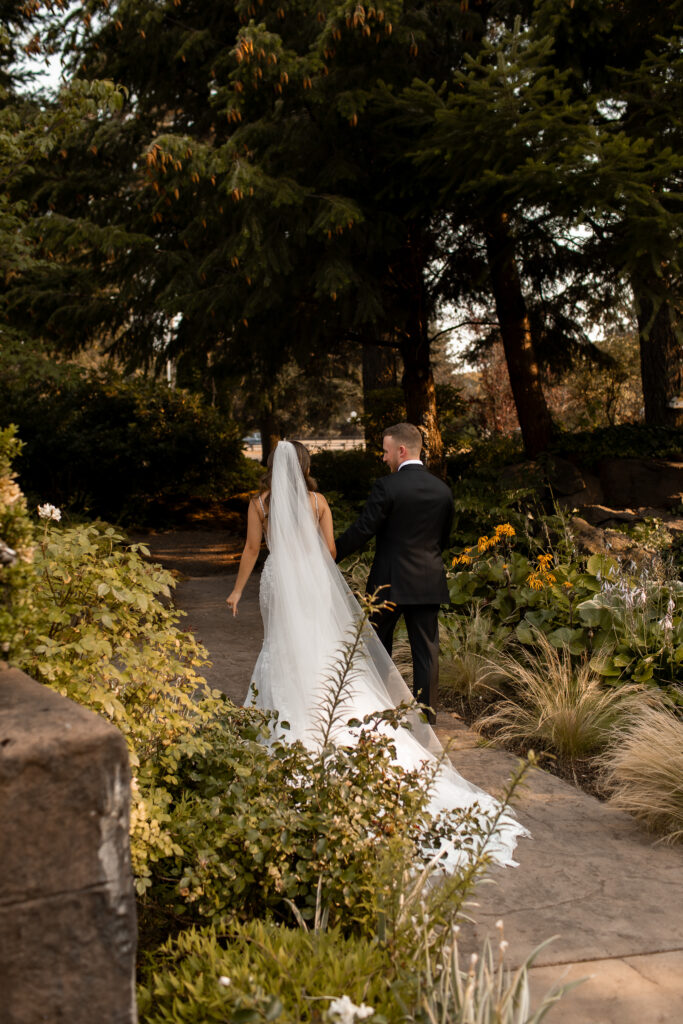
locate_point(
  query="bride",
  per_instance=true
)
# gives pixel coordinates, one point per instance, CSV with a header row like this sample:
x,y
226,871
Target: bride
x,y
308,614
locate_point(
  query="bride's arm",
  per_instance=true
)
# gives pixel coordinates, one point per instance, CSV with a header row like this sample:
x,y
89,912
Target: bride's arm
x,y
327,525
252,547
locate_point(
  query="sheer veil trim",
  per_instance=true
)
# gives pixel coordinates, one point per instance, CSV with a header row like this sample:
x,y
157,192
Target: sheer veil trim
x,y
308,612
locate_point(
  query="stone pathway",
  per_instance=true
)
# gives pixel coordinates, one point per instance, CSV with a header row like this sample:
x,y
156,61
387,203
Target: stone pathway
x,y
590,875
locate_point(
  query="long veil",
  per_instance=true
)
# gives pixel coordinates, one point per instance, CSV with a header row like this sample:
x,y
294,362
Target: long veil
x,y
311,612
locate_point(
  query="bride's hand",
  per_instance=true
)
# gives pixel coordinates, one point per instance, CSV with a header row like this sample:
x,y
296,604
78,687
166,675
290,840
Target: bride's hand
x,y
233,601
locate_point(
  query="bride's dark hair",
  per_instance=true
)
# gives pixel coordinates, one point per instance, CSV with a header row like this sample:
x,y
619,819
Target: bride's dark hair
x,y
304,457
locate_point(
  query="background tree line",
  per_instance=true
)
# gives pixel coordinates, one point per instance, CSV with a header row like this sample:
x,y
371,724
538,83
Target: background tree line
x,y
256,189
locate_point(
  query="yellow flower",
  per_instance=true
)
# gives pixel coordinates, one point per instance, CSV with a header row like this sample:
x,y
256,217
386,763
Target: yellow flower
x,y
462,560
567,585
505,530
482,544
534,581
545,561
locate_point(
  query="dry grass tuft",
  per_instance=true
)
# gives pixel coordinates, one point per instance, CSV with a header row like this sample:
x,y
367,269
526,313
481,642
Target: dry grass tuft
x,y
470,648
643,770
556,706
402,658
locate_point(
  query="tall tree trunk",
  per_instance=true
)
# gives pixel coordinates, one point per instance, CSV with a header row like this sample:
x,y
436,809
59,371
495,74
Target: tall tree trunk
x,y
420,392
380,364
270,434
661,358
418,379
525,377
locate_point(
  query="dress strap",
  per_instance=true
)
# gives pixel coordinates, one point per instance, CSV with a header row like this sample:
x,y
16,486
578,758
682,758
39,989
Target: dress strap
x,y
263,508
315,499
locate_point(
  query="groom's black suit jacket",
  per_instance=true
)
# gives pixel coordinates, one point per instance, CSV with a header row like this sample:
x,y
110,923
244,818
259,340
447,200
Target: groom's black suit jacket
x,y
410,513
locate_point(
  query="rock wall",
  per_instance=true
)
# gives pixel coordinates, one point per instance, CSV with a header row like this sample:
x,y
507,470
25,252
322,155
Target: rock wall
x,y
67,907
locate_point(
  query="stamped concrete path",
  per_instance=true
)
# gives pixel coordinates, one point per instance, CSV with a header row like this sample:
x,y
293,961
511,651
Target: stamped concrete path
x,y
590,875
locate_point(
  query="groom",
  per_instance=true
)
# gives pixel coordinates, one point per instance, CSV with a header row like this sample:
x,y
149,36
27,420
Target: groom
x,y
411,514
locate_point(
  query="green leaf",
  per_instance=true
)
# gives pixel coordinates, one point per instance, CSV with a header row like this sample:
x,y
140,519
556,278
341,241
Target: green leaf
x,y
602,565
524,633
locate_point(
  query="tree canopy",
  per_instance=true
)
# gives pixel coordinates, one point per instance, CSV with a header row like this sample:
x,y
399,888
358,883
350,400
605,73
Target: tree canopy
x,y
287,183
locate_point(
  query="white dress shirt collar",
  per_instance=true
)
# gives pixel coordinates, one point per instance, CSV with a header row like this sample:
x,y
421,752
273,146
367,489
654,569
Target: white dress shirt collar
x,y
409,462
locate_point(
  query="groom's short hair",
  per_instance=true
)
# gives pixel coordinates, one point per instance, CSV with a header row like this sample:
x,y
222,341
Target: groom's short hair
x,y
406,434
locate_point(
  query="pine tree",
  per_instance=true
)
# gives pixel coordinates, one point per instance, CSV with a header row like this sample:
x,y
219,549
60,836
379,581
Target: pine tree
x,y
628,57
252,200
504,140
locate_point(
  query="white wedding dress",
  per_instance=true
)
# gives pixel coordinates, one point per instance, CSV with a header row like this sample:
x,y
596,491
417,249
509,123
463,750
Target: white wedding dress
x,y
308,613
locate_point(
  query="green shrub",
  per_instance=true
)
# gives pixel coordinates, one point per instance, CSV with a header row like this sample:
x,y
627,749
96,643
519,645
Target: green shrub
x,y
17,573
628,441
256,971
483,459
101,630
265,829
104,634
114,446
350,474
630,627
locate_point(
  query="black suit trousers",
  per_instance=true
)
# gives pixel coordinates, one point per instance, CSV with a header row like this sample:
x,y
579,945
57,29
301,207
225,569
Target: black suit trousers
x,y
422,623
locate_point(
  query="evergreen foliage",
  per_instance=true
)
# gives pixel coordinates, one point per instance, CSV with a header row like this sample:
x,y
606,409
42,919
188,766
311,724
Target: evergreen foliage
x,y
115,446
283,182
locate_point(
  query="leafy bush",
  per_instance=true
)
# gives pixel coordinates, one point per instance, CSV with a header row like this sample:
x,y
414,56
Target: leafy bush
x,y
115,446
350,474
274,829
100,629
630,626
256,971
482,460
104,634
17,573
628,441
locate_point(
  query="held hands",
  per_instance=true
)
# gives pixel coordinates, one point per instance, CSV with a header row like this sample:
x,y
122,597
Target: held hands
x,y
233,601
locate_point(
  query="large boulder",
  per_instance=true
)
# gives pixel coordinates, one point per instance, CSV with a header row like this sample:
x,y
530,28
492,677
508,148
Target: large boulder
x,y
564,477
67,906
592,540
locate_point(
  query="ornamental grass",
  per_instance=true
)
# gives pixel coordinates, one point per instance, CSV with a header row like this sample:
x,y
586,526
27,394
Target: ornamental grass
x,y
470,646
555,705
642,770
